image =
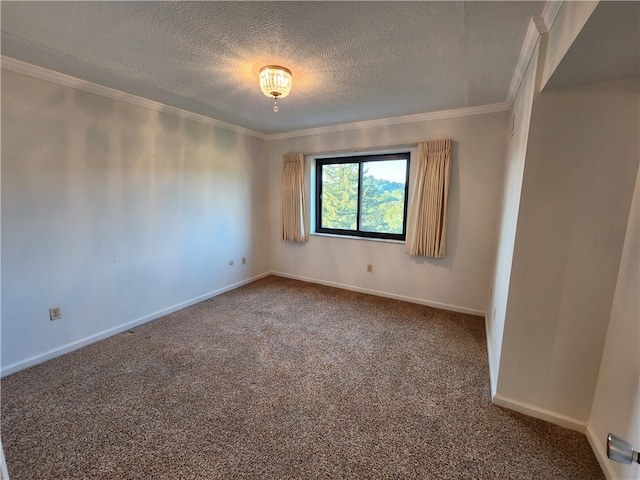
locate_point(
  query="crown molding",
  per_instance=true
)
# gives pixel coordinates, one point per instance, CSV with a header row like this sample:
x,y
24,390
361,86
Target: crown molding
x,y
539,25
386,122
45,74
550,12
18,66
526,52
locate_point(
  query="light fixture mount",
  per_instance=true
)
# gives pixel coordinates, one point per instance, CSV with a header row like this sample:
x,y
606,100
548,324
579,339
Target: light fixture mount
x,y
275,82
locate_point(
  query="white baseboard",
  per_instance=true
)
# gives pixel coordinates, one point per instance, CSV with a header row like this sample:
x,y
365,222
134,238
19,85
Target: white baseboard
x,y
541,413
600,454
69,347
493,379
428,303
4,473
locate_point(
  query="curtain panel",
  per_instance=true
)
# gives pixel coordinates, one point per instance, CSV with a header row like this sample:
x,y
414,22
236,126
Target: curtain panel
x,y
295,223
426,231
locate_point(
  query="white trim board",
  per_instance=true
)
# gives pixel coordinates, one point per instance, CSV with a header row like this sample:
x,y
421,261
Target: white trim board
x,y
47,75
4,473
69,347
492,373
550,12
541,413
404,119
538,25
600,454
56,352
528,47
377,293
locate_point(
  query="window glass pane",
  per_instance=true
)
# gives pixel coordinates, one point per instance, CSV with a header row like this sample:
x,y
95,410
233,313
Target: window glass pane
x,y
362,196
382,201
340,196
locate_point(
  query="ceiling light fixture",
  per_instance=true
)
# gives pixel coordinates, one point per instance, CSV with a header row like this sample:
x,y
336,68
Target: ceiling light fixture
x,y
275,82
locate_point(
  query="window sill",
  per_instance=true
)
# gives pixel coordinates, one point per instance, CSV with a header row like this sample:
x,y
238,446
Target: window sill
x,y
353,237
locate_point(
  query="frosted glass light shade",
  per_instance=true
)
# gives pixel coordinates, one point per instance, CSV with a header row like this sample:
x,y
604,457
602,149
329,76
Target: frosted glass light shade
x,y
275,81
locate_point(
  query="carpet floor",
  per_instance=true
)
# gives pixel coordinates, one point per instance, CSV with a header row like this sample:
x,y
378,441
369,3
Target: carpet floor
x,y
281,379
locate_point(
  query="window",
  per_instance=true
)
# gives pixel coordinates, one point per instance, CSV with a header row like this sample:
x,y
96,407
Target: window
x,y
363,196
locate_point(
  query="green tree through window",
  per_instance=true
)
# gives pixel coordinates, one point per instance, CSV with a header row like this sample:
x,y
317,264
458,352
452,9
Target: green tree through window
x,y
363,196
340,196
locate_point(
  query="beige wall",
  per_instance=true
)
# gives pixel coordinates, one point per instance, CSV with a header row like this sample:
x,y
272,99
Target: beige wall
x,y
566,284
459,281
120,214
616,406
579,177
514,171
117,214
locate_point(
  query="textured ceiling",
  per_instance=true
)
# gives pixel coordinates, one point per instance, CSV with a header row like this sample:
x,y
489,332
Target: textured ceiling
x,y
351,61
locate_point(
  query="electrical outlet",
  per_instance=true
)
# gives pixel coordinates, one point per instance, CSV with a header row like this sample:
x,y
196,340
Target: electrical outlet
x,y
244,260
369,268
55,313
